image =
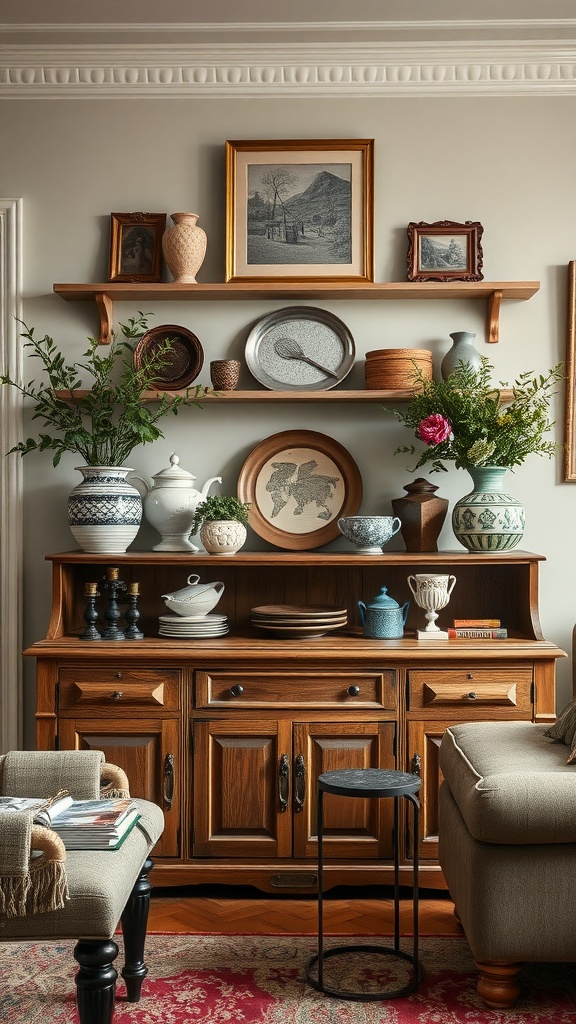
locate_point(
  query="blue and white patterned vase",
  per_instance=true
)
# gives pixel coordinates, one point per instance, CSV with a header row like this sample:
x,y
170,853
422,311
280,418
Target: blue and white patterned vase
x,y
488,519
104,510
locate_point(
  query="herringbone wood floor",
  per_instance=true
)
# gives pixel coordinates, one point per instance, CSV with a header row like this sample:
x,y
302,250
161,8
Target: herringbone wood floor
x,y
216,911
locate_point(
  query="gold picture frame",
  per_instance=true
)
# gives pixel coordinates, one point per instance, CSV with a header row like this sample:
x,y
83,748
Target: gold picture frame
x,y
570,416
136,246
300,210
299,483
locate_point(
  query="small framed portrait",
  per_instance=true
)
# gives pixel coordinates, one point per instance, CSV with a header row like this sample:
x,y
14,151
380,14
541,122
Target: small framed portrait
x,y
445,251
300,210
299,482
136,246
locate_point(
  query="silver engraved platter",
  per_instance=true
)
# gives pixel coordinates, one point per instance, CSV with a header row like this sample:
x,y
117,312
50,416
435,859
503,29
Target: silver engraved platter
x,y
320,336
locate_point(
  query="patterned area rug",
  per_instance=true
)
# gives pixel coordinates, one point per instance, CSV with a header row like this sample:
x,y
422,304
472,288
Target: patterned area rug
x,y
241,979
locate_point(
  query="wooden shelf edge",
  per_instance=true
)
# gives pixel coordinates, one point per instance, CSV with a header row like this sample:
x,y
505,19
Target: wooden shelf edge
x,y
104,294
227,397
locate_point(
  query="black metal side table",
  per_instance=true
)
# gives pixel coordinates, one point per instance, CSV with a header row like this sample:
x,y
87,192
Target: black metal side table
x,y
370,782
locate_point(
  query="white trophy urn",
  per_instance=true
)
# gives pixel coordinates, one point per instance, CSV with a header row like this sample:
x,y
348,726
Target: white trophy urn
x,y
432,593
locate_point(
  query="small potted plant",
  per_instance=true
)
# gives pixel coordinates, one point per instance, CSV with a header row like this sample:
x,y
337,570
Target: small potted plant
x,y
102,425
221,521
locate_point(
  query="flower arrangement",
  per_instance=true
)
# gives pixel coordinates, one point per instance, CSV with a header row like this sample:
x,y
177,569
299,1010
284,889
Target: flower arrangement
x,y
104,424
465,419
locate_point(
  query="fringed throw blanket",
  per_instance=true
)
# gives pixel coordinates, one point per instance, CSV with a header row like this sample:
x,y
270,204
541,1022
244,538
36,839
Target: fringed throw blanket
x,y
30,884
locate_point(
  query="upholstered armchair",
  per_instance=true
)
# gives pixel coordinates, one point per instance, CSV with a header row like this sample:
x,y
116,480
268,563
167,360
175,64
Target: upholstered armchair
x,y
47,892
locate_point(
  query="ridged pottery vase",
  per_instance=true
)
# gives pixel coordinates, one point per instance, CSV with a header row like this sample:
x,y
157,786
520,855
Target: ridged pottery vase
x,y
104,510
223,536
462,350
184,247
488,519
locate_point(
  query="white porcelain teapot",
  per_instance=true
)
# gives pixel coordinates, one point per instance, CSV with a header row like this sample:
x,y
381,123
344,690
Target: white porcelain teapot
x,y
170,504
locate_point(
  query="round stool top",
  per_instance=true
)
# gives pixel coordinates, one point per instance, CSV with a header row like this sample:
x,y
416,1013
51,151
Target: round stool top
x,y
369,782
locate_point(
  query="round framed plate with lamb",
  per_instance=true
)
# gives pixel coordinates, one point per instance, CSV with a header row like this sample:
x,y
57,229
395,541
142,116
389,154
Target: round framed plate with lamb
x,y
299,483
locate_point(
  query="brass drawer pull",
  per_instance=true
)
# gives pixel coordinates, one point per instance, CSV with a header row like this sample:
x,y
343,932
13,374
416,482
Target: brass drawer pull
x,y
237,690
117,695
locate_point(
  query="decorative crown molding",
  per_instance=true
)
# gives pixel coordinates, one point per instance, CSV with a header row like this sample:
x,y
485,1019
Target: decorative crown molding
x,y
299,69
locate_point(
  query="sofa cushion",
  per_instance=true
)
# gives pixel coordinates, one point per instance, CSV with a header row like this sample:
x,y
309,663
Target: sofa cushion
x,y
564,728
511,782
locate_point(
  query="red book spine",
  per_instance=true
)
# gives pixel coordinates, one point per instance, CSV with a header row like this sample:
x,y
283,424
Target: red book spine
x,y
457,633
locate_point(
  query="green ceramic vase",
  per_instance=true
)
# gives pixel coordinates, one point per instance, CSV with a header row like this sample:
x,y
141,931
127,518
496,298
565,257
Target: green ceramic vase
x,y
488,519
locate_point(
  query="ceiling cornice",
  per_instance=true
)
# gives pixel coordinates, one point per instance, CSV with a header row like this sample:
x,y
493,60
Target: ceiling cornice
x,y
226,69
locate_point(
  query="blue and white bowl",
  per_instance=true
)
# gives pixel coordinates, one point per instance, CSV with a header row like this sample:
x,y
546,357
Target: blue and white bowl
x,y
369,534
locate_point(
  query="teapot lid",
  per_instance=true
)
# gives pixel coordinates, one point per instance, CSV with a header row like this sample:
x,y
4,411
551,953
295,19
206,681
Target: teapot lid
x,y
383,601
174,474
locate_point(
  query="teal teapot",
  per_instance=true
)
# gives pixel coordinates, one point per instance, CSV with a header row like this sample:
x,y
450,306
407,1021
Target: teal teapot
x,y
383,618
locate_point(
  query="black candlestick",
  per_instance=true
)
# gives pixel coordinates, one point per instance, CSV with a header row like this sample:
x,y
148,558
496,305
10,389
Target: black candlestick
x,y
113,585
132,614
90,614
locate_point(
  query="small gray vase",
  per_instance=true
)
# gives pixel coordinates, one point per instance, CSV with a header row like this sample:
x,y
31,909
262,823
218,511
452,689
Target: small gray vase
x,y
462,350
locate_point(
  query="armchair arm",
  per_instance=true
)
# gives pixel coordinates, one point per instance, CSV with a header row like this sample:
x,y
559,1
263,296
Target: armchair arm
x,y
44,773
113,783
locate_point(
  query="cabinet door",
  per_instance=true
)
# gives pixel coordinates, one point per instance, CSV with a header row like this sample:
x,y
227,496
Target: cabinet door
x,y
149,752
242,788
353,827
424,740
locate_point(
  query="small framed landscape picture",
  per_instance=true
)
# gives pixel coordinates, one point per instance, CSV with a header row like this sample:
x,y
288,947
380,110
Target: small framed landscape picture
x,y
300,210
445,251
136,246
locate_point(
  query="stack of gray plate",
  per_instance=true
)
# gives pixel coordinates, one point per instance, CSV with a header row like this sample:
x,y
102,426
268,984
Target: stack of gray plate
x,y
189,626
298,622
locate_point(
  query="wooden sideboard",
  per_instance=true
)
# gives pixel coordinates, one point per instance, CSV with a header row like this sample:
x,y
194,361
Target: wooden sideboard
x,y
229,735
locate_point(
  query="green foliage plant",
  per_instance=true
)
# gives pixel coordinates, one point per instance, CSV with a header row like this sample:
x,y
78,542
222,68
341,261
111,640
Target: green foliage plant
x,y
105,423
218,507
466,420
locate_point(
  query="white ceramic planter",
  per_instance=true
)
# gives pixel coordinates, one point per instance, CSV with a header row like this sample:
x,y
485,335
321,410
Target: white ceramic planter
x,y
223,536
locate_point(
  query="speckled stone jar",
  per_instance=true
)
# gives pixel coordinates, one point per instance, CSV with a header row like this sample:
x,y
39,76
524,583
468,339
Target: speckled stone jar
x,y
184,247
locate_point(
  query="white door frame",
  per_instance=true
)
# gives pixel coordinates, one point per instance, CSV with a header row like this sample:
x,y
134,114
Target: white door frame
x,y
11,524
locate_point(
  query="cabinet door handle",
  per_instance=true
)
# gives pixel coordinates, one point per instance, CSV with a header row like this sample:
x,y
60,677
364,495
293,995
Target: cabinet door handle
x,y
417,764
353,691
300,785
117,695
168,781
237,690
283,782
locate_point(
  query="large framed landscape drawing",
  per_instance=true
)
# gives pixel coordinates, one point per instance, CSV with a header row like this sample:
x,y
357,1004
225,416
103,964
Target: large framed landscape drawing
x,y
300,210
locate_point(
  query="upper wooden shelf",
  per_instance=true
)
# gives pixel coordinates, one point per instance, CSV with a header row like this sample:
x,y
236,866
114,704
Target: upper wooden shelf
x,y
104,294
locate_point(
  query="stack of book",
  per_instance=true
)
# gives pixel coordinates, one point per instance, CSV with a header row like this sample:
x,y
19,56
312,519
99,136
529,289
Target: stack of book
x,y
477,629
81,824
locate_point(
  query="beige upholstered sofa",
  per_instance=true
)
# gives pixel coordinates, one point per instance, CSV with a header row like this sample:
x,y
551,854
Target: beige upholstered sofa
x,y
508,848
47,892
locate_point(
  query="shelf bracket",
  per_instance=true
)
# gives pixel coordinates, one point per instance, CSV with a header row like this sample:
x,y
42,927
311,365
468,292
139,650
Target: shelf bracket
x,y
105,308
494,316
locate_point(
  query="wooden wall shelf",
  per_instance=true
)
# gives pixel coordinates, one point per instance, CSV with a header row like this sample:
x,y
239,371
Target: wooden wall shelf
x,y
246,397
105,294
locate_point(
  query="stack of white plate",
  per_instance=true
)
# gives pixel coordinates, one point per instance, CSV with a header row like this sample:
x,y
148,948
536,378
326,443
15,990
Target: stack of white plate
x,y
191,626
298,622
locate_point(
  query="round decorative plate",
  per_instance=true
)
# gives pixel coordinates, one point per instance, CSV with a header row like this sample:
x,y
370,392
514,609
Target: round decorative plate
x,y
318,334
183,361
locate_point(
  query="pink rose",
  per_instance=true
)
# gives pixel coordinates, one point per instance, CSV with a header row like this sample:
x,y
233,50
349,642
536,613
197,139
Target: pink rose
x,y
434,429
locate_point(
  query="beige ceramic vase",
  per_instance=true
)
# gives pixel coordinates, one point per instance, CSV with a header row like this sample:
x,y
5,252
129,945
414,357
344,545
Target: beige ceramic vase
x,y
184,247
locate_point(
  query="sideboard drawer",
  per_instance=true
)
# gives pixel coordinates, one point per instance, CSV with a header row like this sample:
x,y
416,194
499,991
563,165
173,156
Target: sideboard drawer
x,y
131,689
361,688
503,688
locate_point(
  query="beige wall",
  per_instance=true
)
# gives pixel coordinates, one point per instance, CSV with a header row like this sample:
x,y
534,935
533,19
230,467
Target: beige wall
x,y
507,162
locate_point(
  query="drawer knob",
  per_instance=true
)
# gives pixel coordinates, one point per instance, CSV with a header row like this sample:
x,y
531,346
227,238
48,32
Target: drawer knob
x,y
470,675
118,675
353,691
117,695
237,690
472,695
